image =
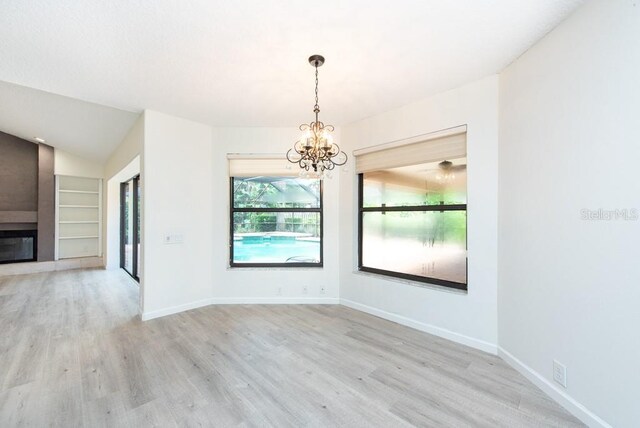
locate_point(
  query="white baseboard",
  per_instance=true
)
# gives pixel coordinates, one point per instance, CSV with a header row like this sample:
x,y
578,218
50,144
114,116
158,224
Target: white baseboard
x,y
564,399
276,300
240,301
427,328
38,267
146,316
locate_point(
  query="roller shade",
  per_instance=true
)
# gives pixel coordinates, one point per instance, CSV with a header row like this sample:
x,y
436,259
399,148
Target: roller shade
x,y
425,151
261,165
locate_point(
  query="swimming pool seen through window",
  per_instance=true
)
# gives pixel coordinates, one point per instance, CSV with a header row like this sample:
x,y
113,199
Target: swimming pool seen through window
x,y
276,222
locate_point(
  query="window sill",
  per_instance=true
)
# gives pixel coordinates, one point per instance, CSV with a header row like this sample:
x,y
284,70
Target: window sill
x,y
420,284
273,268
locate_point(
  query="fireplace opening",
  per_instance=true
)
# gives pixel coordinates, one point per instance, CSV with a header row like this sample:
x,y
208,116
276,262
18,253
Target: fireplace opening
x,y
18,246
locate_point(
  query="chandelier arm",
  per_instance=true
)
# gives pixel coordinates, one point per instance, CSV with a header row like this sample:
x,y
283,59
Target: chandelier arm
x,y
346,158
290,159
299,148
341,163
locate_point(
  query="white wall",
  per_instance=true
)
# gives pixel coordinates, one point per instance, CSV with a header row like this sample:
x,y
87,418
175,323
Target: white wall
x,y
471,317
123,164
112,259
131,146
66,163
187,192
177,199
262,284
569,140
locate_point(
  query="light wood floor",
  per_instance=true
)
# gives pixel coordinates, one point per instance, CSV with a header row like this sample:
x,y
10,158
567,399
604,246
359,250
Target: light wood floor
x,y
74,353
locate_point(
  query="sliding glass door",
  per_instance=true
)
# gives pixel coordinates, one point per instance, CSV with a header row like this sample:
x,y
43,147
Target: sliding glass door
x,y
130,226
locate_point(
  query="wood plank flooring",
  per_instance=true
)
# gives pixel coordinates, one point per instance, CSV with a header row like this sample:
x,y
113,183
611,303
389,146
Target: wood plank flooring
x,y
73,352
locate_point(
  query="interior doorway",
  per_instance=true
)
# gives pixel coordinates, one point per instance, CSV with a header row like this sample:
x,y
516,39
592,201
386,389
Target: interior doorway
x,y
130,226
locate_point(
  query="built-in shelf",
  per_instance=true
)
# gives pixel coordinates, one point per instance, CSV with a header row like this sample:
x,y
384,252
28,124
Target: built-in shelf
x,y
79,191
78,217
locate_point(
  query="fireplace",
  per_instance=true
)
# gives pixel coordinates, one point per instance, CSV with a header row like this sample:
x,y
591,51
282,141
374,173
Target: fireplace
x,y
18,246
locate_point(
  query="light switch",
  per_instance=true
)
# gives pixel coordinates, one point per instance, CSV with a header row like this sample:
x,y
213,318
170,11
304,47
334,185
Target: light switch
x,y
173,238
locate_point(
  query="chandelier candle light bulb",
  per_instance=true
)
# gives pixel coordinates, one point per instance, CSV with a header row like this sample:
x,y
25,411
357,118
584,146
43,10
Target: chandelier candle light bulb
x,y
315,152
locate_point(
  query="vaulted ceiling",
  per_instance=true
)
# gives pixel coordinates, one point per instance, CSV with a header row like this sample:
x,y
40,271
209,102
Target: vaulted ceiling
x,y
244,63
85,129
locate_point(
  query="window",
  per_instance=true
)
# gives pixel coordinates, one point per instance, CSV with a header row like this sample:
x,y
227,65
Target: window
x,y
276,221
413,216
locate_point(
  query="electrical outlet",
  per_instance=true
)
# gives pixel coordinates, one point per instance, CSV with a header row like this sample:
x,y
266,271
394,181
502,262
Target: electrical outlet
x,y
279,291
560,373
323,290
305,290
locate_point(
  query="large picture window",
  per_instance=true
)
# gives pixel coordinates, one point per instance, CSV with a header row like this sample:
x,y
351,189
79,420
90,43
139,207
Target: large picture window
x,y
276,221
413,218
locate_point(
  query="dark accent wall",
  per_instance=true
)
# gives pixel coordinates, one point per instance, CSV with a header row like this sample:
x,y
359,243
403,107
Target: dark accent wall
x,y
27,190
46,204
18,174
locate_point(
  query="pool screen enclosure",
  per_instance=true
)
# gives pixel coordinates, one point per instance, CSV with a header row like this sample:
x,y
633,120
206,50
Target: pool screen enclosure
x,y
275,222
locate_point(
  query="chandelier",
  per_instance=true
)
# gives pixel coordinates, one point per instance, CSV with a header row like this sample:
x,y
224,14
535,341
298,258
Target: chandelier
x,y
315,152
445,173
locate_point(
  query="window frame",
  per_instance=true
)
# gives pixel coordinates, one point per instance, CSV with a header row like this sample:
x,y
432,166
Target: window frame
x,y
422,208
135,195
233,210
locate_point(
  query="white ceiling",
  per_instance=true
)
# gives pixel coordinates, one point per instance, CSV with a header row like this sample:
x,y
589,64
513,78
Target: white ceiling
x,y
85,129
244,63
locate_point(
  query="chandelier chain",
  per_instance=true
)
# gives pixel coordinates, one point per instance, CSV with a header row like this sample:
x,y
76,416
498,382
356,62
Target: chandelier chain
x,y
316,108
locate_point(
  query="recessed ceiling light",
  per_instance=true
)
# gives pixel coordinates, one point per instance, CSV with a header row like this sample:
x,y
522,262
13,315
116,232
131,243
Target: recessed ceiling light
x,y
39,140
